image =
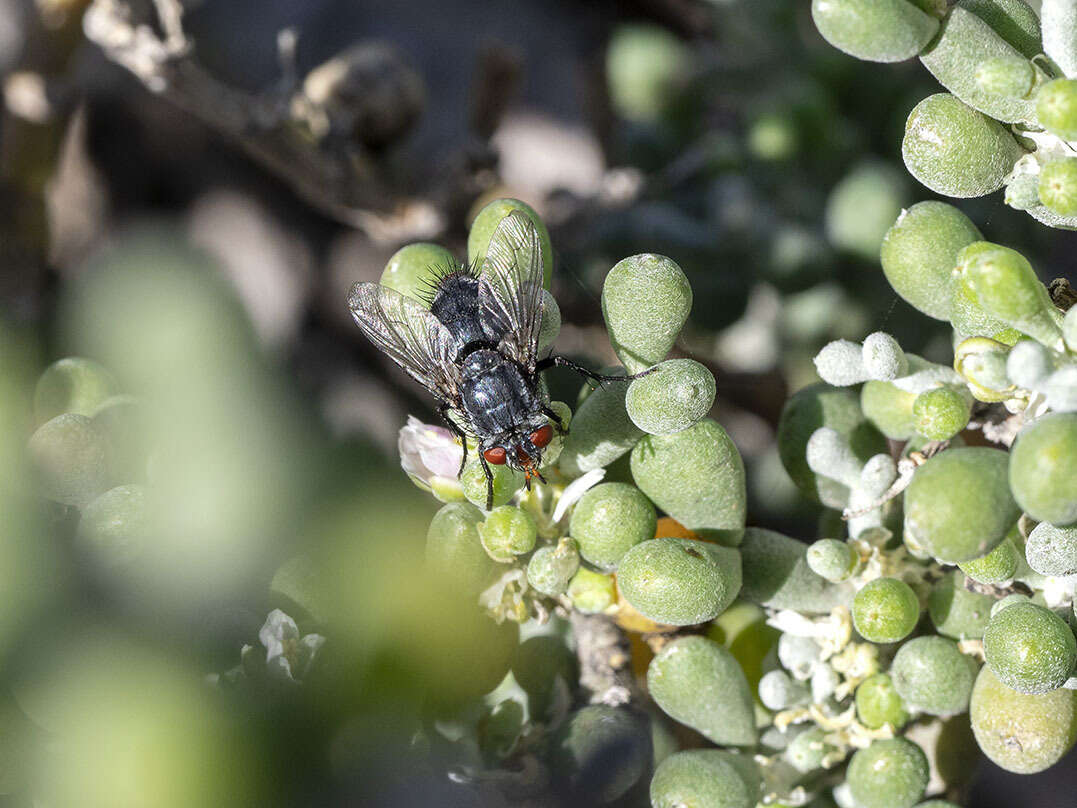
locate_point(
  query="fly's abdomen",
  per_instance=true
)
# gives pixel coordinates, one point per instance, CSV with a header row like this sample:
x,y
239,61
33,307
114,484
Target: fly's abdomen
x,y
495,393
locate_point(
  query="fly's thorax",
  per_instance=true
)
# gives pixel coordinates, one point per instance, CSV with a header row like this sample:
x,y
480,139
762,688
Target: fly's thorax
x,y
456,304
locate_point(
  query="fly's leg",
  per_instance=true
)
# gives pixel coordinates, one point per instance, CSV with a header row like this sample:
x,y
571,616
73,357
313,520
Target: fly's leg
x,y
443,411
565,362
553,416
489,482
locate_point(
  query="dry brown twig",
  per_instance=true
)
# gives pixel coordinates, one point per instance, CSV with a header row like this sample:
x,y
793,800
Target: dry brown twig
x,y
339,179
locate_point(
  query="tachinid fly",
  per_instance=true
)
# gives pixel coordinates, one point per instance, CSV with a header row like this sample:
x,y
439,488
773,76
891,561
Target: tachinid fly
x,y
476,348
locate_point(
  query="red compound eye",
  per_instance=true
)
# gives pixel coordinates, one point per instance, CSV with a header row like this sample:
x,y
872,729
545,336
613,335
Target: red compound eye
x,y
495,455
542,436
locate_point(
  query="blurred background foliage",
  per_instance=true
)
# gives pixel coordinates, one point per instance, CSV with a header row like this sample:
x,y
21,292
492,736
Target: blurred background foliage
x,y
195,229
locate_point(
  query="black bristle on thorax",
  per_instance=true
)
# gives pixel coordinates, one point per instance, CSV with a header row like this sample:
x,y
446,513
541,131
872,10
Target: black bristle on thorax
x,y
443,277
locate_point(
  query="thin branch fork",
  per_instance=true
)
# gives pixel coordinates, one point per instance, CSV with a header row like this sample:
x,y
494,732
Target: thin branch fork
x,y
342,182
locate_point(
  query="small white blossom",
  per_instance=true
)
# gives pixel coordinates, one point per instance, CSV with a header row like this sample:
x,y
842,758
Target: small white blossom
x,y
288,654
431,457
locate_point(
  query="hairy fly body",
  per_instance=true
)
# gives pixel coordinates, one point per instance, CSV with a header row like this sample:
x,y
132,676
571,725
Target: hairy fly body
x,y
476,349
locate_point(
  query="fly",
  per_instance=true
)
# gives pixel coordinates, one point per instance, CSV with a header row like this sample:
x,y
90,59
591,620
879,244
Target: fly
x,y
476,349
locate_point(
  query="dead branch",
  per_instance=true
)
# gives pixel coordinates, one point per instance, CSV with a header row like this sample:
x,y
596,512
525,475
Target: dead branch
x,y
339,178
605,660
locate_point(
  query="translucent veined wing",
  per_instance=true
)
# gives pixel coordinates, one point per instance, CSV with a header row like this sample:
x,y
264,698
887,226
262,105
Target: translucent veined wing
x,y
409,334
510,287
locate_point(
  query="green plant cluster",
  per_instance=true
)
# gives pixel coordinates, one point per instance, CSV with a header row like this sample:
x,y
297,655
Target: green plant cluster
x,y
1009,116
862,670
858,669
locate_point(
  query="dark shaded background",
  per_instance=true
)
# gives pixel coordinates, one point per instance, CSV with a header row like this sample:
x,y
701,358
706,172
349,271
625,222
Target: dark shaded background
x,y
110,158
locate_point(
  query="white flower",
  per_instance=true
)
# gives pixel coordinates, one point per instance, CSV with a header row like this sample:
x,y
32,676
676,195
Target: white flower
x,y
431,458
288,654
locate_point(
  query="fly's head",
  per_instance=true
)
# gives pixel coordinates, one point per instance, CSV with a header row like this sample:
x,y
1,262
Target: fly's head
x,y
521,447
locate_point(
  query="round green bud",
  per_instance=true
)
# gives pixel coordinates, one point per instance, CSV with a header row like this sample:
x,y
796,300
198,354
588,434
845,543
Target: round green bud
x,y
799,655
72,384
601,431
679,581
1022,191
1020,732
1003,283
70,456
1006,602
700,684
1058,186
996,567
507,481
600,753
890,773
454,550
674,395
551,568
697,477
940,413
861,208
779,691
646,66
957,612
776,575
887,31
958,506
645,301
832,559
885,610
1043,469
1029,648
508,532
1056,107
878,703
112,528
919,252
485,224
982,362
810,409
1052,550
707,778
1029,364
964,43
1006,76
413,270
932,676
807,750
889,409
608,520
591,592
955,150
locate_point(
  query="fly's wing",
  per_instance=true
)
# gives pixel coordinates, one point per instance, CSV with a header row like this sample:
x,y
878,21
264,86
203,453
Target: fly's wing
x,y
409,334
510,287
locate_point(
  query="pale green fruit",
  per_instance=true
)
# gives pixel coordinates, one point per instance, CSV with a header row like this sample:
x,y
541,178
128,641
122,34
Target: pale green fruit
x,y
1022,733
699,683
